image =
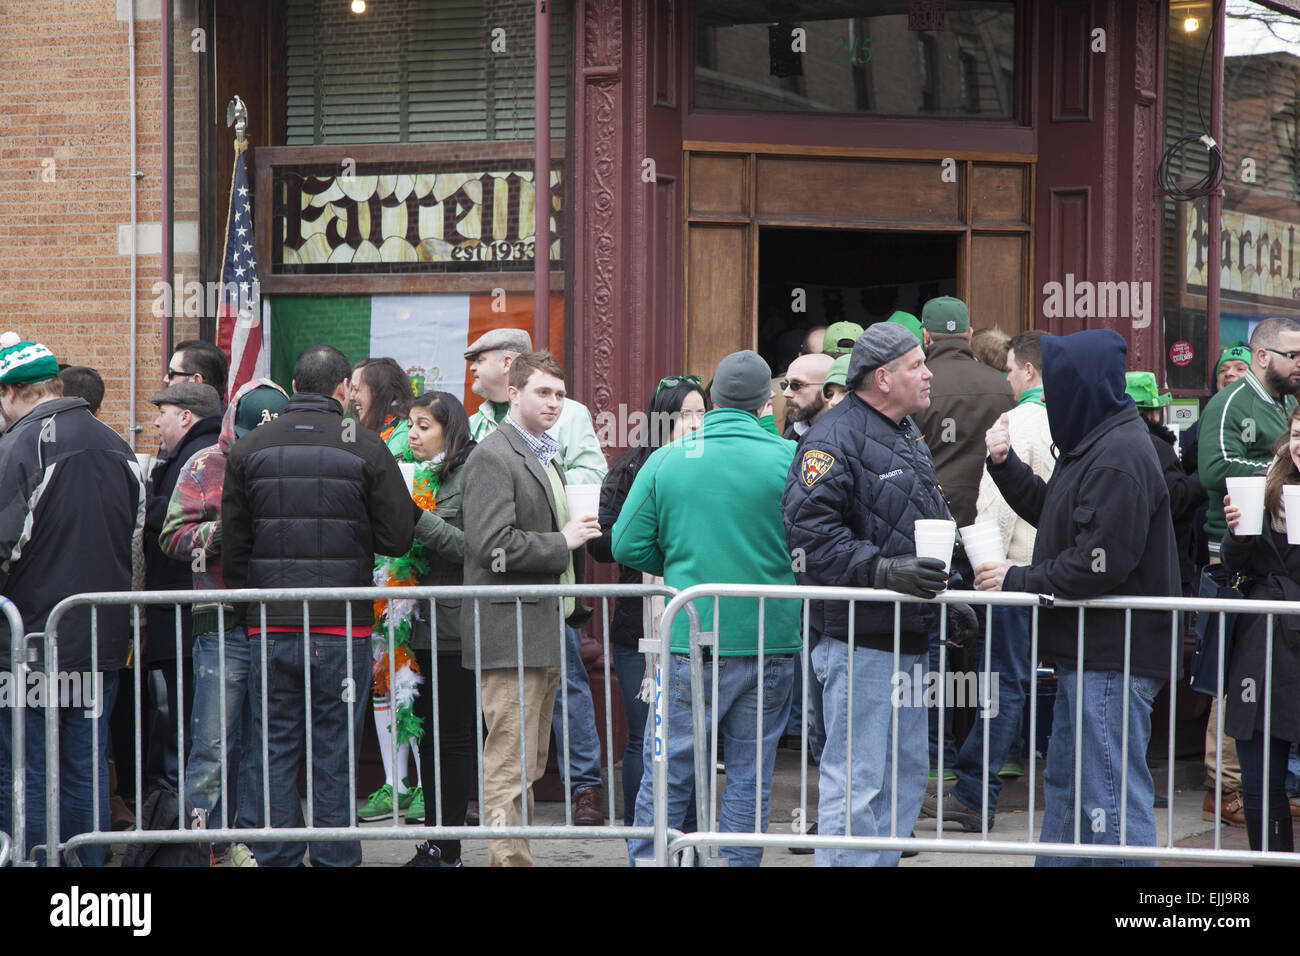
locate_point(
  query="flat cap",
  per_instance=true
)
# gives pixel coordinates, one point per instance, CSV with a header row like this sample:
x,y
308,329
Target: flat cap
x,y
198,397
514,340
879,345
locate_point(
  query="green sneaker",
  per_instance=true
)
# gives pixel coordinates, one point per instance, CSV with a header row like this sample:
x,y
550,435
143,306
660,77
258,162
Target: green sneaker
x,y
414,809
948,775
406,796
1011,769
378,805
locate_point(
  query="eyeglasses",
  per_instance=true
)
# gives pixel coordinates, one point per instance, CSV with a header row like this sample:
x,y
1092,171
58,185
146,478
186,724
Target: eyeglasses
x,y
172,373
672,381
795,386
1289,356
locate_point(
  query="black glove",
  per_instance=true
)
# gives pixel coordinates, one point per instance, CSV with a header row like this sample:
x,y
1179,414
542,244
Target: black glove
x,y
920,577
962,624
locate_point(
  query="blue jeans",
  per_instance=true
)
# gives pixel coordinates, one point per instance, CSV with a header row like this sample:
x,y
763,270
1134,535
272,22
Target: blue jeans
x,y
1100,741
816,726
283,724
584,740
78,752
629,666
203,769
738,717
865,799
1008,688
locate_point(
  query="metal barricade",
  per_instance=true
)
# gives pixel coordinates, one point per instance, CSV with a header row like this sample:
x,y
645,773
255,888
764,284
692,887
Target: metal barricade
x,y
669,847
19,661
256,600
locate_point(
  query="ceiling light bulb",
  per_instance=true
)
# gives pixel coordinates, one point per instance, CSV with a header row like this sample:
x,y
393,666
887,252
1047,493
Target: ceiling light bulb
x,y
1190,25
359,6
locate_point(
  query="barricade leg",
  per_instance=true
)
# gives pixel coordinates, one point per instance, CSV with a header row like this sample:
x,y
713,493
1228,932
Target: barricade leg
x,y
679,758
1098,744
584,741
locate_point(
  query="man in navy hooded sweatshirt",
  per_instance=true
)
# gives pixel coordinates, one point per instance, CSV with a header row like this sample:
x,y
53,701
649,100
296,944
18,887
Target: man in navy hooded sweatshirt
x,y
1103,529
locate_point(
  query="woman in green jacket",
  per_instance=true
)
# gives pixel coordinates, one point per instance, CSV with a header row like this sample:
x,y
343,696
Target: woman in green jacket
x,y
439,442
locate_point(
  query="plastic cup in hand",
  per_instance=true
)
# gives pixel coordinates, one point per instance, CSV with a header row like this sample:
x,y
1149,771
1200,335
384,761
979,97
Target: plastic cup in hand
x,y
1291,501
584,500
408,473
934,539
983,543
1247,496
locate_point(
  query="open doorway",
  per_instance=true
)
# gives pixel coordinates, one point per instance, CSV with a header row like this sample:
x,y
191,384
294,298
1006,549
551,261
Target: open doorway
x,y
815,277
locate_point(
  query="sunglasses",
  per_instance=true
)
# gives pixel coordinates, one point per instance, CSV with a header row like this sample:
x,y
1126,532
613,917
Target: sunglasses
x,y
1289,356
795,386
672,381
172,373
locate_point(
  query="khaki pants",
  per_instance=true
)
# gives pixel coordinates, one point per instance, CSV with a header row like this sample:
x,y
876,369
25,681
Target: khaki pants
x,y
1231,769
502,792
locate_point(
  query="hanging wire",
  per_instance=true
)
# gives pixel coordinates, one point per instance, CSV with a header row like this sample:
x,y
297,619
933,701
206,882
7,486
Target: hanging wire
x,y
1210,182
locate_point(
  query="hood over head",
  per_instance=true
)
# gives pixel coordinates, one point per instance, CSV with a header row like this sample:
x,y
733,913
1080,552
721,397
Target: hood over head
x,y
1083,383
232,410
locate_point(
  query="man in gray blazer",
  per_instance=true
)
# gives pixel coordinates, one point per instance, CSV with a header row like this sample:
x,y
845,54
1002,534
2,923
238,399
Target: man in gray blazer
x,y
518,531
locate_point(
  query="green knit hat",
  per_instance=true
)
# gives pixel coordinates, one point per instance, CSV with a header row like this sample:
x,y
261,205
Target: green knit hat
x,y
945,315
1141,386
22,362
1237,353
908,321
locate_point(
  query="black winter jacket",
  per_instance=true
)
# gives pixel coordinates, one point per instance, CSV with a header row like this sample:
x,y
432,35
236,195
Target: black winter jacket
x,y
1186,496
161,572
1274,567
77,537
627,625
857,486
308,501
1103,520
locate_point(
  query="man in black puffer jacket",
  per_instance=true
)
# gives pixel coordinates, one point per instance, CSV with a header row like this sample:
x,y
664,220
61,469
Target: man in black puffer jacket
x,y
308,501
1103,529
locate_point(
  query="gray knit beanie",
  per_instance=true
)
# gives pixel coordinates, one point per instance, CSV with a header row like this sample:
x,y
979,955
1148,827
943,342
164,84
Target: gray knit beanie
x,y
743,381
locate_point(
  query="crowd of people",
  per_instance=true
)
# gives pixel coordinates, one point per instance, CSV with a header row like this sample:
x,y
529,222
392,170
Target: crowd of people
x,y
351,480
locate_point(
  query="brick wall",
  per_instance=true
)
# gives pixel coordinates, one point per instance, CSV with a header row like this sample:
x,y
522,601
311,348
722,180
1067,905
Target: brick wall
x,y
65,162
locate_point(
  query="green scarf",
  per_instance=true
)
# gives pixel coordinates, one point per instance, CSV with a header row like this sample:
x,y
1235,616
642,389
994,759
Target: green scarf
x,y
1034,395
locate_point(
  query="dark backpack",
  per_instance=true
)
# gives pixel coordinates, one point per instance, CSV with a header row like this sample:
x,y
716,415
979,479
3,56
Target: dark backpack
x,y
160,812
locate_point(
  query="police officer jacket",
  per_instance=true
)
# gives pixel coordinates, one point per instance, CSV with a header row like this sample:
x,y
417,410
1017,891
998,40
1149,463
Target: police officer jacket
x,y
857,487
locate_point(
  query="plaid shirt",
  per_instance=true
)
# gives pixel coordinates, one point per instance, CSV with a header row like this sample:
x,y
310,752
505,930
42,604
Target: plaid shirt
x,y
545,448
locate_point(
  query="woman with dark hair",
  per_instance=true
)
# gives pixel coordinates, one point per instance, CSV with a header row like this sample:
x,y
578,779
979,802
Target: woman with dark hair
x,y
676,409
1271,569
381,397
439,442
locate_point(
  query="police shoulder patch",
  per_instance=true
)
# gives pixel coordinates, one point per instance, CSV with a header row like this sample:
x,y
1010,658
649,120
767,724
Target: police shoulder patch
x,y
814,466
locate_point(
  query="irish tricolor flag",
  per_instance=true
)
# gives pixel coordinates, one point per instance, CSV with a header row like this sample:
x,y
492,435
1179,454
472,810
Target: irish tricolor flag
x,y
426,334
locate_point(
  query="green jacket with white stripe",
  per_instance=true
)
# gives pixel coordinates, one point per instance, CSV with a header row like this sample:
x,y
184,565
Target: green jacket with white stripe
x,y
1239,427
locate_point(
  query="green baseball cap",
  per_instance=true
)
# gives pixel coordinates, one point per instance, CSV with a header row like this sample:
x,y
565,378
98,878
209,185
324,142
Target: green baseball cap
x,y
257,406
1236,353
840,337
909,322
1142,388
945,315
838,373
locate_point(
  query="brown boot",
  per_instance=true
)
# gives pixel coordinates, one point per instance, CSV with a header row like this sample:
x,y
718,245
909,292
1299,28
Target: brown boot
x,y
587,810
1233,811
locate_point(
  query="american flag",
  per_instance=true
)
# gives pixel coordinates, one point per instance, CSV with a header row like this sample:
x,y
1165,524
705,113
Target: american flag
x,y
240,332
